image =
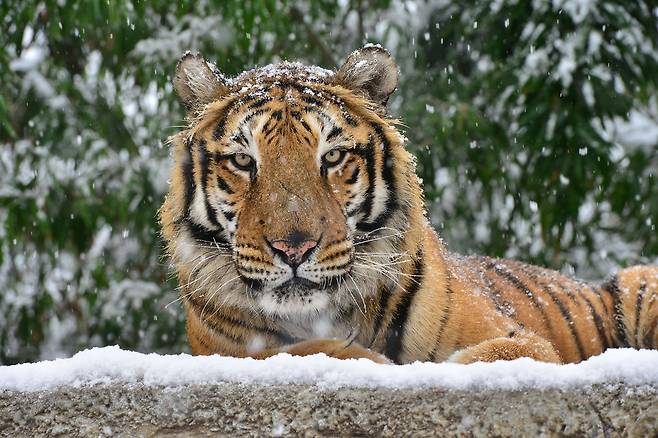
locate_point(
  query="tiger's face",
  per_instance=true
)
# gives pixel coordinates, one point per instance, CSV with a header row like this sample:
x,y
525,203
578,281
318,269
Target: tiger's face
x,y
285,184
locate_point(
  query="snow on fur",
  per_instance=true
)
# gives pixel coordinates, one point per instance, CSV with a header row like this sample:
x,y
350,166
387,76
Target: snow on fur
x,y
111,364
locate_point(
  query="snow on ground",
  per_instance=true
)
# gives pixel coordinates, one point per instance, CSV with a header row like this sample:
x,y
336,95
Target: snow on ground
x,y
111,364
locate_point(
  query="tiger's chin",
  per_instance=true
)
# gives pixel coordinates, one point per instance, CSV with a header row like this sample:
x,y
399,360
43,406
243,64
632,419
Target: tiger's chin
x,y
296,296
294,300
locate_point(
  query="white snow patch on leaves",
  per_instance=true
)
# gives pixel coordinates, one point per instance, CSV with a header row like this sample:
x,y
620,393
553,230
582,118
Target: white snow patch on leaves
x,y
111,364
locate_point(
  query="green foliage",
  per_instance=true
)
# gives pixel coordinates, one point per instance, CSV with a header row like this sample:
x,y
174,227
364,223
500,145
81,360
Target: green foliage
x,y
514,120
531,87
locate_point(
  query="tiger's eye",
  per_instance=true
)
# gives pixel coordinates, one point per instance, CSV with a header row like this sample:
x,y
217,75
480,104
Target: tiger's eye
x,y
333,156
243,160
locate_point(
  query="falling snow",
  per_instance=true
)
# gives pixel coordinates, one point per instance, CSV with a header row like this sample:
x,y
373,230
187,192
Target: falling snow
x,y
33,169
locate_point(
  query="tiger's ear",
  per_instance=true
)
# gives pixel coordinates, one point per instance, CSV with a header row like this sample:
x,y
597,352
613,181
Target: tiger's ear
x,y
370,71
198,82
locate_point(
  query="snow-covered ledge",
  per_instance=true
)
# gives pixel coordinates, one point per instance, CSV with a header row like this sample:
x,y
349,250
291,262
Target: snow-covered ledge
x,y
109,391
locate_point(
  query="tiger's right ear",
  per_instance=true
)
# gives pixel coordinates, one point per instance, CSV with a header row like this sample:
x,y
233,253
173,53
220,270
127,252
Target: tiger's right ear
x,y
198,82
370,71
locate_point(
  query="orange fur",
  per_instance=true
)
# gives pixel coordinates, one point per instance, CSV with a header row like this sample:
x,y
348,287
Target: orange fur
x,y
382,278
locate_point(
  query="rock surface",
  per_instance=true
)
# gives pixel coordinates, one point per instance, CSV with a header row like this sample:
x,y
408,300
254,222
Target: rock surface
x,y
119,409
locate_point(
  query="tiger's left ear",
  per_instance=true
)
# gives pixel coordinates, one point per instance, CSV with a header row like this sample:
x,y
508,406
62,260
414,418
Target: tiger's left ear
x,y
370,71
198,82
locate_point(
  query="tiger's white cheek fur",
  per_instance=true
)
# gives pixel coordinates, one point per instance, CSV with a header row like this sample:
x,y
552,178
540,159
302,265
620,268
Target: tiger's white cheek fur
x,y
198,211
359,198
351,223
185,250
219,203
381,194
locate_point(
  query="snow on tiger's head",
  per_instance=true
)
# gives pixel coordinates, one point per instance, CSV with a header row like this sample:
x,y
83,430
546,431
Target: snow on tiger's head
x,y
290,186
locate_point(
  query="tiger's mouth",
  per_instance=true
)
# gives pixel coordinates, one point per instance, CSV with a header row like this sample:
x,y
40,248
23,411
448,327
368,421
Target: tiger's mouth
x,y
296,295
299,283
296,285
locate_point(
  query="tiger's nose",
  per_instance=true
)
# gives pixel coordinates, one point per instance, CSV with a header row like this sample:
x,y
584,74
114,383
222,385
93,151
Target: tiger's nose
x,y
295,250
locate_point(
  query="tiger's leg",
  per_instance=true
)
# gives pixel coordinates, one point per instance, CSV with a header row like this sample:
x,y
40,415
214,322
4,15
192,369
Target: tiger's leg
x,y
635,299
508,348
340,349
207,340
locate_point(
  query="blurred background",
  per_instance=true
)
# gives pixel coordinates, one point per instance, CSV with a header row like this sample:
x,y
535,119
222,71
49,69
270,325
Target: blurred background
x,y
535,125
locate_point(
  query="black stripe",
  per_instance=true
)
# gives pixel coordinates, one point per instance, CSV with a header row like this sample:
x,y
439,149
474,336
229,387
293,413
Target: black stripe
x,y
200,308
598,322
284,338
395,331
266,126
204,235
354,177
252,270
638,306
217,328
349,119
597,292
252,115
259,103
267,129
532,273
352,211
507,275
188,176
203,343
313,109
240,138
566,315
505,272
223,185
198,304
607,314
220,129
204,163
564,311
503,307
388,177
254,283
307,139
301,88
382,305
336,130
612,287
311,100
307,127
368,155
250,98
444,321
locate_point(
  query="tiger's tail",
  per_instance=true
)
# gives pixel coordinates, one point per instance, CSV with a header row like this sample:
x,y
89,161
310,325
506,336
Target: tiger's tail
x,y
635,296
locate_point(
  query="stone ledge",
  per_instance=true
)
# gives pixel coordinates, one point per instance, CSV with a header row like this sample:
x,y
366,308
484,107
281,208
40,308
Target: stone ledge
x,y
120,409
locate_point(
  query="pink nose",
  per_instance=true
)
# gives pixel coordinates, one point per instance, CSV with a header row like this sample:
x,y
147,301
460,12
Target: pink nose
x,y
294,253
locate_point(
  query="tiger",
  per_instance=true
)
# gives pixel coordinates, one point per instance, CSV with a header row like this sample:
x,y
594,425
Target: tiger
x,y
296,224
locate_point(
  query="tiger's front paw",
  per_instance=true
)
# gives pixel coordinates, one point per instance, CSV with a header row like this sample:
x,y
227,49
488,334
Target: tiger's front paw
x,y
508,348
340,349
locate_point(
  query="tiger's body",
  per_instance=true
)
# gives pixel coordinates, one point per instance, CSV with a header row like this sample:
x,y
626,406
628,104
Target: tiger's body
x,y
296,223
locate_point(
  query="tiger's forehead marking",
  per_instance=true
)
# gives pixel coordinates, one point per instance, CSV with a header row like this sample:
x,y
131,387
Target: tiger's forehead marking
x,y
281,111
291,82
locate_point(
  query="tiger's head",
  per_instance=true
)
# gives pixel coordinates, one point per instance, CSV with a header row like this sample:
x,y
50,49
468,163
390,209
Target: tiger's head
x,y
291,191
